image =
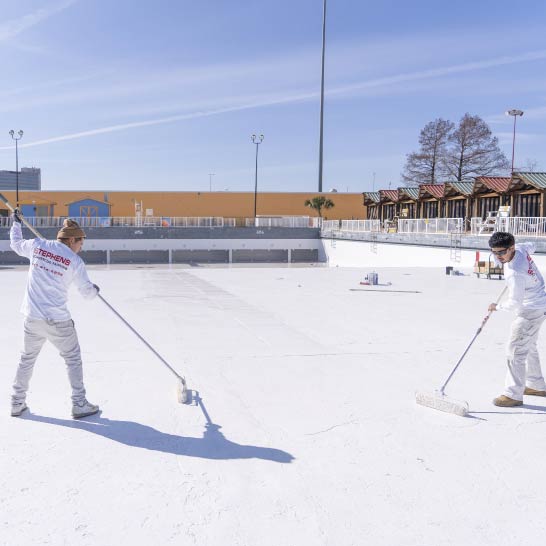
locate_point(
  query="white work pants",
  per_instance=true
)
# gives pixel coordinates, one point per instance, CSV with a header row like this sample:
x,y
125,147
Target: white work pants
x,y
64,338
522,354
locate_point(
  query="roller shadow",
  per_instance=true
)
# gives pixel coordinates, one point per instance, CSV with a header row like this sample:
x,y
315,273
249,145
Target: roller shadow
x,y
212,445
533,410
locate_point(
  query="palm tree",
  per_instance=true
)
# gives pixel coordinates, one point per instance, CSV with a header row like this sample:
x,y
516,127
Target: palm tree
x,y
319,203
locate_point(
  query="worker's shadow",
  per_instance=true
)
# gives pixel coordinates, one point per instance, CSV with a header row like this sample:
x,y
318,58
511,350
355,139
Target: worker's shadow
x,y
212,445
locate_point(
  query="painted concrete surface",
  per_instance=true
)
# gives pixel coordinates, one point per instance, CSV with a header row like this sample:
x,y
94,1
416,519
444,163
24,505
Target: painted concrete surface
x,y
305,429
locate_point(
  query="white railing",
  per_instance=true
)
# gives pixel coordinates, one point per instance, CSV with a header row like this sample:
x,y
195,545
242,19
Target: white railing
x,y
533,226
330,225
284,221
128,221
361,225
430,225
171,221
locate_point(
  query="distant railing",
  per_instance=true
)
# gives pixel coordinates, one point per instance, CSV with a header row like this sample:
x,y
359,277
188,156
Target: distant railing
x,y
128,221
361,225
172,221
532,226
284,221
430,225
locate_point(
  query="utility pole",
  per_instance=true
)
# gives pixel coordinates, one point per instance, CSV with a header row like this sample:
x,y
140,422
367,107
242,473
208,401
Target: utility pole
x,y
321,135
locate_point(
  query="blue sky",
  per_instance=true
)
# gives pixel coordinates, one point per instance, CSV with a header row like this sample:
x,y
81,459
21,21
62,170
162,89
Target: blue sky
x,y
156,95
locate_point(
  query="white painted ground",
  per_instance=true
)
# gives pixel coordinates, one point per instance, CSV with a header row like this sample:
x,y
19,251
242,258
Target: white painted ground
x,y
315,437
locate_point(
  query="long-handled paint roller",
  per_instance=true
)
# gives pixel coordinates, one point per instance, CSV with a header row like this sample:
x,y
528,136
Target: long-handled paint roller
x,y
181,387
438,400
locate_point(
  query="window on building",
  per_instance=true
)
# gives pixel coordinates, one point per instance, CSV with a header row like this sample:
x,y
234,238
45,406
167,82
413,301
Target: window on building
x,y
456,208
430,209
488,204
388,212
528,205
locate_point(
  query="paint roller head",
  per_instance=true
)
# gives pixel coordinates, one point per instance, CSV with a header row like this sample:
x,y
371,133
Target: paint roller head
x,y
182,393
441,402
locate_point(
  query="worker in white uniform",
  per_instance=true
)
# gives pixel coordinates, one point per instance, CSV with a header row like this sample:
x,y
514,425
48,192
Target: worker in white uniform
x,y
54,265
527,298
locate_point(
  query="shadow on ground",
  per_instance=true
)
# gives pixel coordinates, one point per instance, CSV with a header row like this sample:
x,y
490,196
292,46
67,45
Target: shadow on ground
x,y
212,445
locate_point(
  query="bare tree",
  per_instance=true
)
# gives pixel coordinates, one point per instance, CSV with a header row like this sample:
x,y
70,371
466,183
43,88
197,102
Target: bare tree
x,y
531,165
473,151
426,165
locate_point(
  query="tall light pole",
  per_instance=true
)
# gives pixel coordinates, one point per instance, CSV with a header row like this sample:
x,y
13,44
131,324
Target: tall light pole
x,y
321,135
210,181
256,140
17,139
514,112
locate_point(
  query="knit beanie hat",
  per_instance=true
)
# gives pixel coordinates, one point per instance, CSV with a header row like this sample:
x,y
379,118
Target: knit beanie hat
x,y
70,228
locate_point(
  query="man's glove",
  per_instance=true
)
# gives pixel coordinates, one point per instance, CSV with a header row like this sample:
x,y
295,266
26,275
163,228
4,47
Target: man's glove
x,y
16,215
96,288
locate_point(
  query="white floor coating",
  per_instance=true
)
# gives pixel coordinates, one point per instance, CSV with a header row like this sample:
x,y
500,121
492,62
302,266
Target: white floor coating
x,y
307,432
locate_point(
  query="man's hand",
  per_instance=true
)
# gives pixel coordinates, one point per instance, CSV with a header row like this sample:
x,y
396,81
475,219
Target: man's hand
x,y
96,288
492,307
16,216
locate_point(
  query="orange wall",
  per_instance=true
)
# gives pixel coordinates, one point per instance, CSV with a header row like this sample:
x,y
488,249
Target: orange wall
x,y
226,204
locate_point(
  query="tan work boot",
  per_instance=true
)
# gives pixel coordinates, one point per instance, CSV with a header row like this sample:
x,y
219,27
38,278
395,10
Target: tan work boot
x,y
533,392
506,402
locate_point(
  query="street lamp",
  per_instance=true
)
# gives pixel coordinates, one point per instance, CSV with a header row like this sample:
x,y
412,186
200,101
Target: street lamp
x,y
321,131
514,112
17,139
256,140
210,181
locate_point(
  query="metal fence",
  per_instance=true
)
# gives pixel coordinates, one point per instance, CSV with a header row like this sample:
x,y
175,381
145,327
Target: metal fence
x,y
284,221
171,221
431,225
533,226
361,225
129,221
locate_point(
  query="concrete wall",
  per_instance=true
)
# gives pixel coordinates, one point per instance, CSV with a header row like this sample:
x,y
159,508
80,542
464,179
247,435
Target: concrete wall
x,y
344,253
205,250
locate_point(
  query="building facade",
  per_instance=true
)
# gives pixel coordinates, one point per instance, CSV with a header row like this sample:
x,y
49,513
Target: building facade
x,y
30,178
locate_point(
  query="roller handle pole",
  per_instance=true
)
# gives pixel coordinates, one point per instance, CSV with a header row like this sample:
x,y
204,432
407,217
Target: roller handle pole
x,y
142,339
470,344
23,219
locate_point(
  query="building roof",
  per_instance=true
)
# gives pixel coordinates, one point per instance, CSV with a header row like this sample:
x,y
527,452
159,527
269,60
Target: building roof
x,y
371,196
538,180
465,187
499,184
88,198
436,190
389,195
408,192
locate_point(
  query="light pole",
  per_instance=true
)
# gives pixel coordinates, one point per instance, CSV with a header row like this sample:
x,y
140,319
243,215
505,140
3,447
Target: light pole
x,y
321,132
514,112
17,139
210,181
256,140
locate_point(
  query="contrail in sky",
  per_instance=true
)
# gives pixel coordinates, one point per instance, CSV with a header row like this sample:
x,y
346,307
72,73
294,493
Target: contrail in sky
x,y
341,90
10,29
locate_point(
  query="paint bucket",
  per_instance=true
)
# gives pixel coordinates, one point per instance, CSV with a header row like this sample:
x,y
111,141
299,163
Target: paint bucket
x,y
373,277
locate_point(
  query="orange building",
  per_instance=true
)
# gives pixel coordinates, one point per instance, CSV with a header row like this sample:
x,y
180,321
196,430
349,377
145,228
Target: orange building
x,y
182,204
